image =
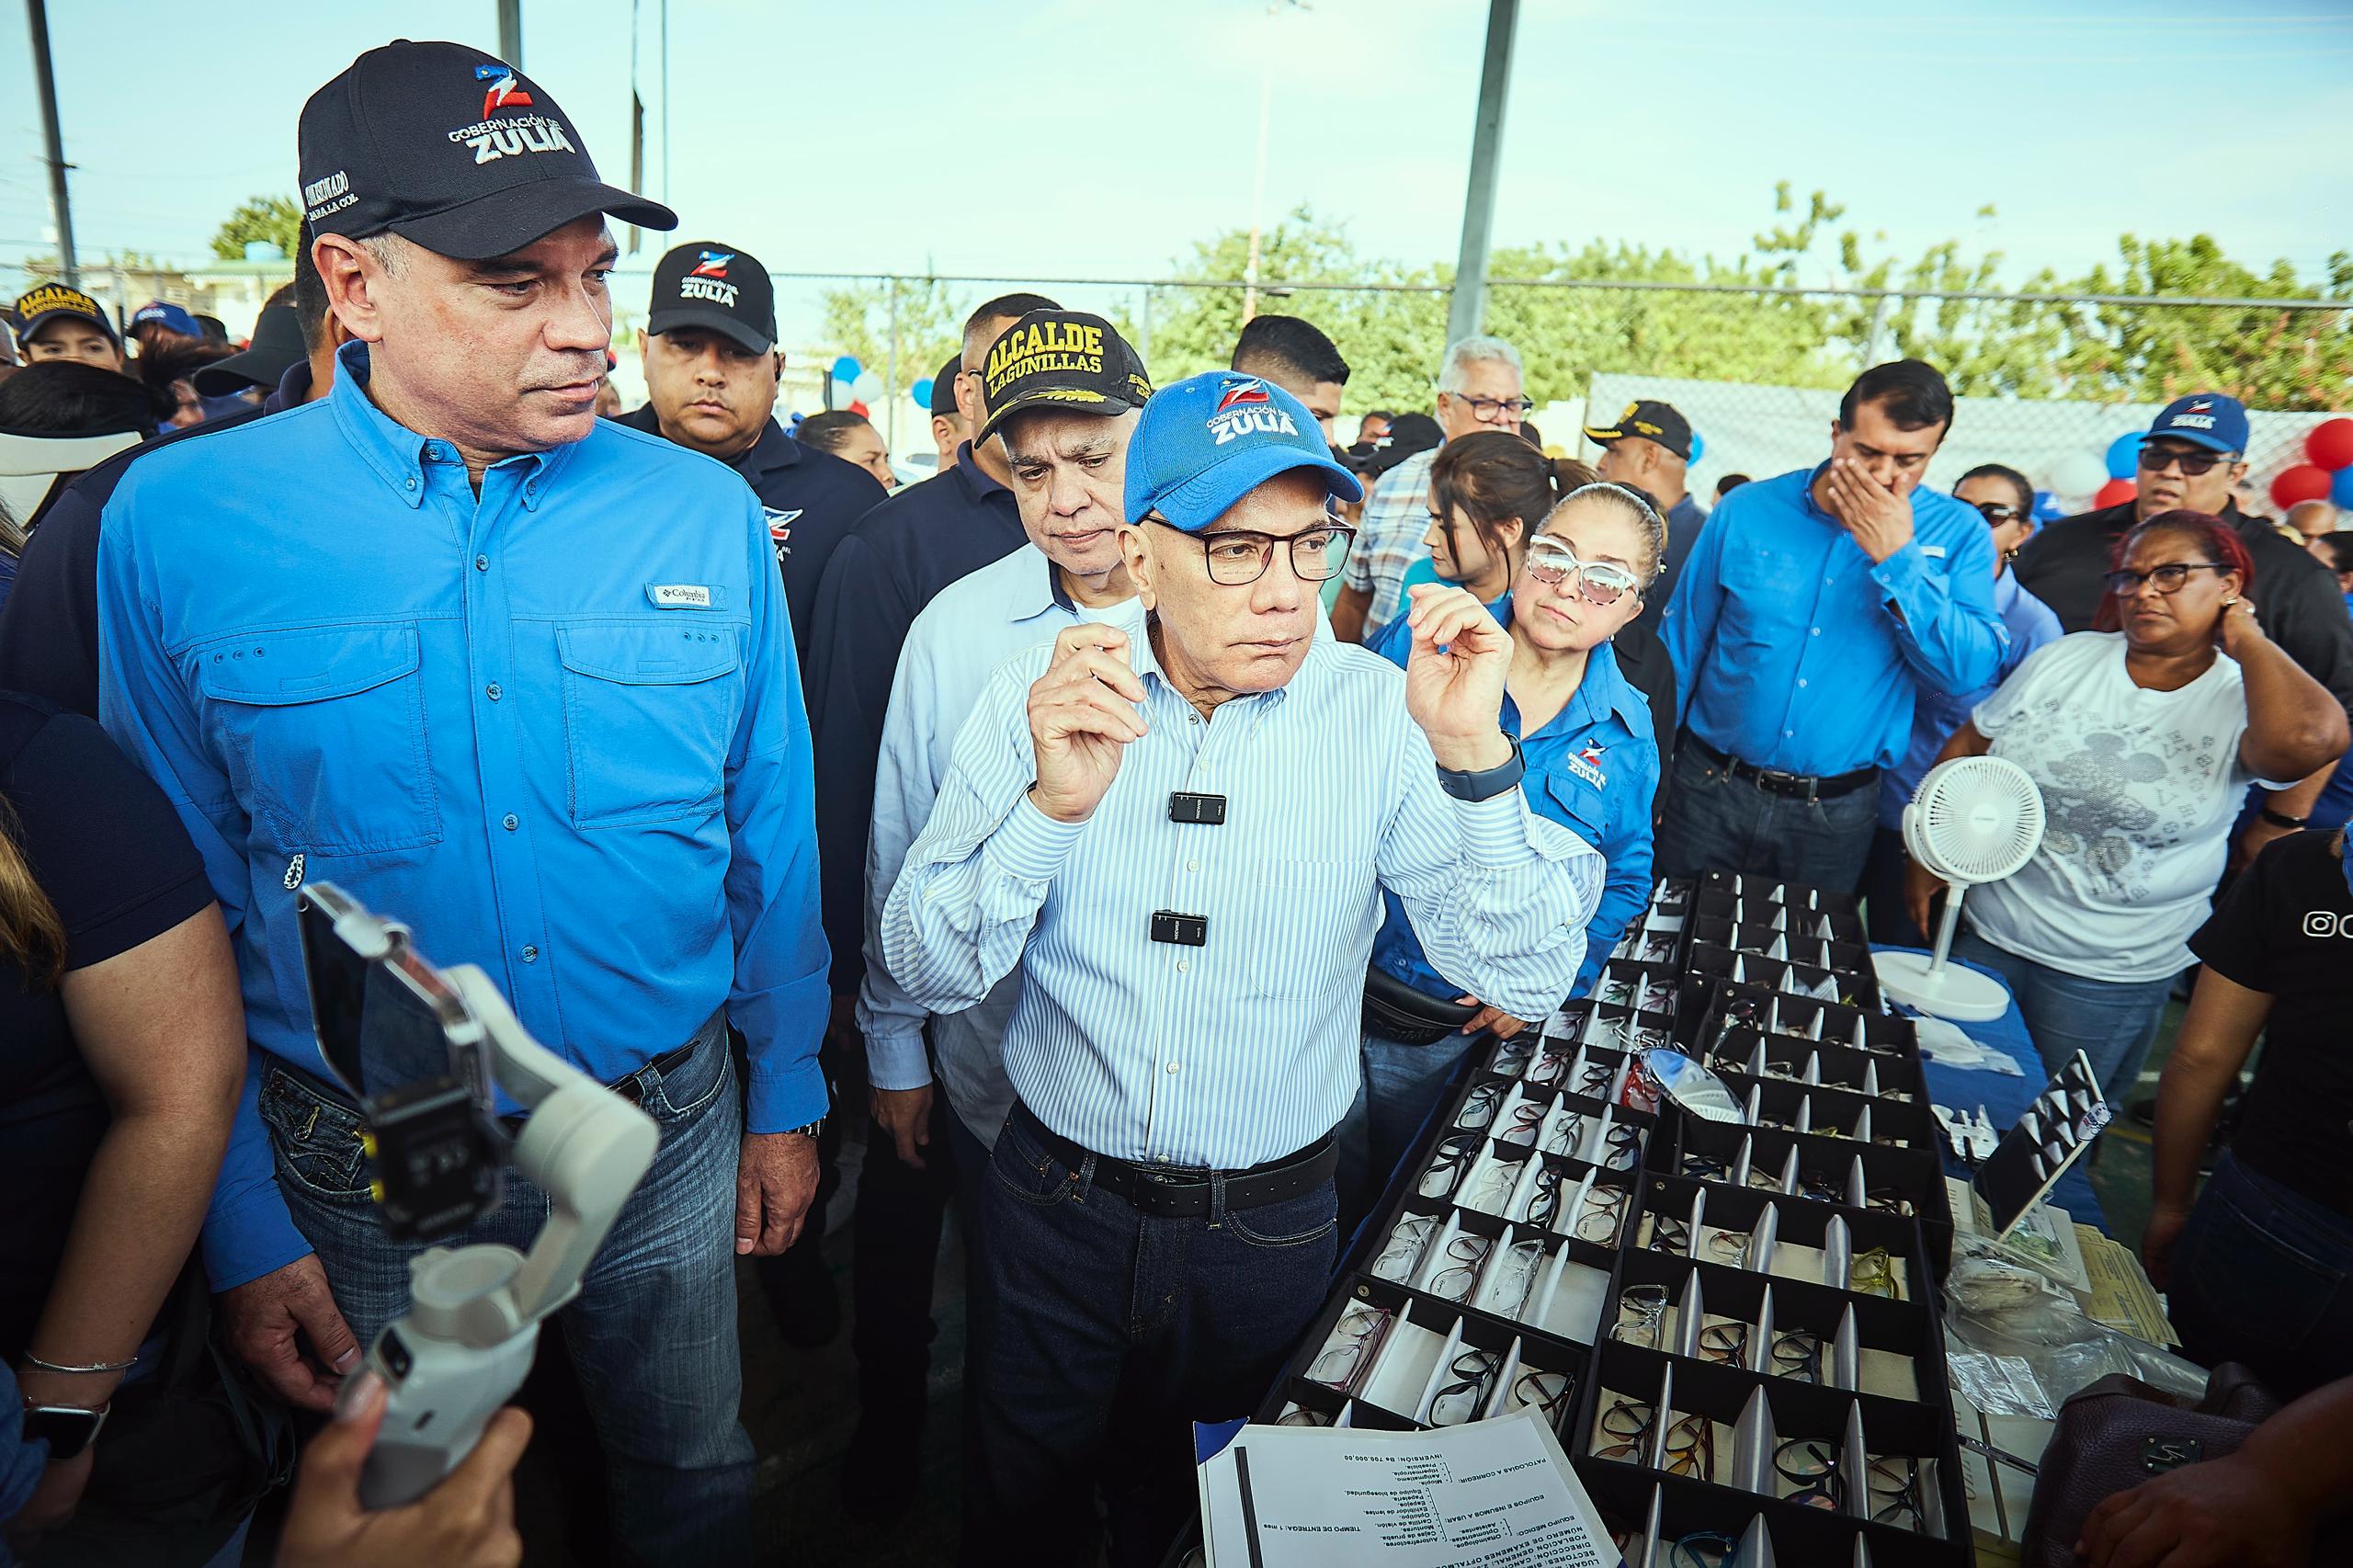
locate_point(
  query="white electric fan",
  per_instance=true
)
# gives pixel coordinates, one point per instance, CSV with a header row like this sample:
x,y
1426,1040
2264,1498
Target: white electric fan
x,y
1973,820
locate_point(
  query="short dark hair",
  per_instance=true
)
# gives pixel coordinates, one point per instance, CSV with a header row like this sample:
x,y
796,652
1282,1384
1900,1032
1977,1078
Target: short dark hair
x,y
1285,347
65,397
1005,307
1911,392
829,431
1531,435
1387,416
2340,546
2007,475
1729,483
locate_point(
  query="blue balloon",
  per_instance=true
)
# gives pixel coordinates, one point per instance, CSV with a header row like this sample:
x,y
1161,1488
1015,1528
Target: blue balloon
x,y
1698,448
921,392
2046,507
2124,455
2340,488
846,368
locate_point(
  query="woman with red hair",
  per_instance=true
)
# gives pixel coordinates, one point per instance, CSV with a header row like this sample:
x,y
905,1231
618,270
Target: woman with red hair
x,y
2143,736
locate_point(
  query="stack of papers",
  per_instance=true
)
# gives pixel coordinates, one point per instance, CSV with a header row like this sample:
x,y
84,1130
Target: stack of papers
x,y
2119,1295
1485,1494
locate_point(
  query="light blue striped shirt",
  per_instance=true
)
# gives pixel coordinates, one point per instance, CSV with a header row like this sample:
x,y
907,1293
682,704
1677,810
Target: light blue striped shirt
x,y
1246,1049
974,625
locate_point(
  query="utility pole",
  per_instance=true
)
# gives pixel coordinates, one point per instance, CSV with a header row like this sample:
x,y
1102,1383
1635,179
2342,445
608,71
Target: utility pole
x,y
511,33
1258,180
60,208
1469,303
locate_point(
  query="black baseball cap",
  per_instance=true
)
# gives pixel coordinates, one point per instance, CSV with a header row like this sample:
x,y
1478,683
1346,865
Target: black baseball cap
x,y
708,285
943,385
276,348
448,147
45,302
1059,360
1652,421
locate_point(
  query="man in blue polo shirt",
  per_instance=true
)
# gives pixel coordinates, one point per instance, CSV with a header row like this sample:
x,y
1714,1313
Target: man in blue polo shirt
x,y
1808,610
713,368
522,678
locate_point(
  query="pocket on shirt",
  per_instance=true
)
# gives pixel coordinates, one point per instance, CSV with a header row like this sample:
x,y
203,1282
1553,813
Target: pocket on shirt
x,y
1573,803
649,714
324,729
1306,929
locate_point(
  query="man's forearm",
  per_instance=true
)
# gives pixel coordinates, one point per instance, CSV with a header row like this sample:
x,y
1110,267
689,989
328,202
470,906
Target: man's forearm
x,y
2309,1448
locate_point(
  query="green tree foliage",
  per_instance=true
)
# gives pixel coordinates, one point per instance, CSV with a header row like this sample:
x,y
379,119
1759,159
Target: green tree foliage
x,y
272,218
857,321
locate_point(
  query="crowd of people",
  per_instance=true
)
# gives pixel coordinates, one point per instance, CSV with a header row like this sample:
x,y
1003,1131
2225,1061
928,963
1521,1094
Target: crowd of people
x,y
1133,823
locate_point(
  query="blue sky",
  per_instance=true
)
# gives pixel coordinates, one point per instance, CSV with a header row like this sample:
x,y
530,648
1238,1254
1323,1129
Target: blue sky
x,y
1088,136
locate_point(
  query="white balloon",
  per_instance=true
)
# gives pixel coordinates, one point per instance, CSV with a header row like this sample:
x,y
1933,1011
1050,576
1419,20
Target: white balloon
x,y
869,387
844,394
2079,473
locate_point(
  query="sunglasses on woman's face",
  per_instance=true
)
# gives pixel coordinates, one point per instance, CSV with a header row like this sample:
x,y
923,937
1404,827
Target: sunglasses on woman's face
x,y
1601,583
1997,512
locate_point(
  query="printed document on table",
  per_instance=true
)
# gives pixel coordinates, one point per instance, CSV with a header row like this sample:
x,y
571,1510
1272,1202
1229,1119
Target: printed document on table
x,y
1485,1494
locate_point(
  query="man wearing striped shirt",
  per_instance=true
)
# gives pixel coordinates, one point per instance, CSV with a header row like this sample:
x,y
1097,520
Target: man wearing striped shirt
x,y
1182,838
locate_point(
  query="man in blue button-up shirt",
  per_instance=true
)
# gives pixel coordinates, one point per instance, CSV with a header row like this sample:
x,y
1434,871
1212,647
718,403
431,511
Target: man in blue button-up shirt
x,y
523,679
1811,610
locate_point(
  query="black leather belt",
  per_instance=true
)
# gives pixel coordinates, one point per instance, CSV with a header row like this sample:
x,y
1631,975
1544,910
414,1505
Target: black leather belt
x,y
1174,1192
1394,1010
630,1087
1795,786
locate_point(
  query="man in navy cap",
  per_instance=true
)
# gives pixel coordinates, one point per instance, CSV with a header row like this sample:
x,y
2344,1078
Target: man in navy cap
x,y
713,368
159,324
523,679
2194,453
1182,837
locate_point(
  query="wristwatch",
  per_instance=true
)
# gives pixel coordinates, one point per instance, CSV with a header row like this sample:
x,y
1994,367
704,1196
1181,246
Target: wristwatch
x,y
811,1130
1488,782
67,1429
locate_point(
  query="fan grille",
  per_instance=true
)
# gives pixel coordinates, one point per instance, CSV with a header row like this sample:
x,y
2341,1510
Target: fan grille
x,y
1980,817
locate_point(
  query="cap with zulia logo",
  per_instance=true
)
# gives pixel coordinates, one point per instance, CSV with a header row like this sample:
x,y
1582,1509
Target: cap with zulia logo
x,y
1058,358
2204,419
1650,421
1209,440
717,288
445,146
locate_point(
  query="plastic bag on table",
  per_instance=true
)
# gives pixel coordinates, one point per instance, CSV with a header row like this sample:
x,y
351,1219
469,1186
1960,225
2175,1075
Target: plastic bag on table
x,y
2005,1307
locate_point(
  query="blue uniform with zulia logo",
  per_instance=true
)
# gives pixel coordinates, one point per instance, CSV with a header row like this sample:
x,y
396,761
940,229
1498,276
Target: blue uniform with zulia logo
x,y
556,729
1593,768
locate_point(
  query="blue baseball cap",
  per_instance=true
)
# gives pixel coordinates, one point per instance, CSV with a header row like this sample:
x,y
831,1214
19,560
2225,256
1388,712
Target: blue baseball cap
x,y
170,317
2206,419
1207,441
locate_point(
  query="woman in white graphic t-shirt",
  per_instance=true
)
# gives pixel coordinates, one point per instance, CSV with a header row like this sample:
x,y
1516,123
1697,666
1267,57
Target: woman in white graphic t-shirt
x,y
2144,739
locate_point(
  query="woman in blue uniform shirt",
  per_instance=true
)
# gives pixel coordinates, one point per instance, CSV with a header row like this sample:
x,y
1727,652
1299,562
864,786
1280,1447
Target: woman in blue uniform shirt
x,y
1585,732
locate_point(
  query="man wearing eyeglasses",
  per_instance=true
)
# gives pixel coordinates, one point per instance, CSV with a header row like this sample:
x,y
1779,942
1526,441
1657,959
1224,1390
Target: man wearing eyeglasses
x,y
1181,837
1063,416
1479,388
2192,457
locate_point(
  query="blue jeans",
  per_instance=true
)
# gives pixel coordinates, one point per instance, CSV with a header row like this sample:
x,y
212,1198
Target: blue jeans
x,y
1717,823
653,1331
1401,1083
2260,1276
2112,1022
1100,1334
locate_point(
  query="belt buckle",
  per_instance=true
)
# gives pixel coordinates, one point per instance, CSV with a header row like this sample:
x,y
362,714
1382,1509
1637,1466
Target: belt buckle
x,y
1778,777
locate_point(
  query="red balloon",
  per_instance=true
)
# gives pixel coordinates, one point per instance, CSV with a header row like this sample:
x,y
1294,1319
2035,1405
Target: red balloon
x,y
863,412
2331,444
2301,483
2115,493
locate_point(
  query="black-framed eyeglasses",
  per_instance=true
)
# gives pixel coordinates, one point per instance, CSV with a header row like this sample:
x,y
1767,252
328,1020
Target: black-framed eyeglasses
x,y
2156,459
1547,1391
1466,1254
1897,1478
1705,1167
1670,1234
1239,557
2165,579
1691,1448
1473,1373
1605,1212
1487,410
1997,512
1544,1203
1602,585
1724,1342
1811,1467
1797,1356
1454,1155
